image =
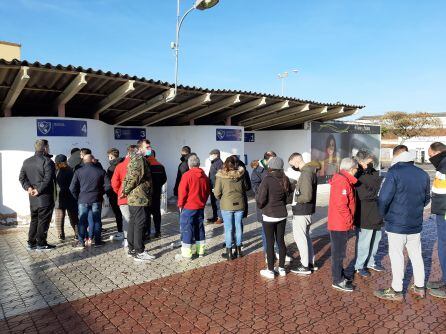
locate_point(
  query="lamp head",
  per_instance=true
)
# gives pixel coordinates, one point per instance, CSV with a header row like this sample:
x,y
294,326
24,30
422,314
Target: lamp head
x,y
205,4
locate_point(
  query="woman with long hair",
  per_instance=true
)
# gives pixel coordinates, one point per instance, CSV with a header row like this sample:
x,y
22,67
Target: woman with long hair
x,y
65,202
230,188
272,200
330,164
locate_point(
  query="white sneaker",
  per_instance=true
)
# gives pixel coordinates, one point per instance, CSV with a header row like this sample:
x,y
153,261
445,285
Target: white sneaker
x,y
267,273
179,257
281,271
117,237
287,258
144,256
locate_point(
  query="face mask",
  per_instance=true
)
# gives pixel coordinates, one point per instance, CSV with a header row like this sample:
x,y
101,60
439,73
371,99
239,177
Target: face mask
x,y
436,160
370,166
148,153
297,169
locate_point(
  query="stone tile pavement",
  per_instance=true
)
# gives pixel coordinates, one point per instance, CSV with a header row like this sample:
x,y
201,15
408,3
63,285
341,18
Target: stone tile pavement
x,y
101,290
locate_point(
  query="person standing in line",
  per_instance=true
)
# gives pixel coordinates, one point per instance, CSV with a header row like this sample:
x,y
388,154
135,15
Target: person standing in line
x,y
402,198
138,190
159,178
272,199
368,220
437,155
182,167
114,160
216,165
193,192
341,213
65,202
230,189
37,177
117,183
88,186
75,158
303,206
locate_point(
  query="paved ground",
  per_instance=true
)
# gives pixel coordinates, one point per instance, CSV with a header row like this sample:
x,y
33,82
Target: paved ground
x,y
101,290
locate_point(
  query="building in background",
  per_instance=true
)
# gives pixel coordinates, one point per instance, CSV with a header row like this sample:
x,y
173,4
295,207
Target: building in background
x,y
10,51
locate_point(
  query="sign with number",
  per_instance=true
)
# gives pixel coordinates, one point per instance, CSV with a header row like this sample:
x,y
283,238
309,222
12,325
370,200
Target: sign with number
x,y
130,133
229,135
61,128
250,137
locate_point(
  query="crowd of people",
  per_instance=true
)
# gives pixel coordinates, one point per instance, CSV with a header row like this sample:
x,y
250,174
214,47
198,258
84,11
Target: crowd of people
x,y
360,201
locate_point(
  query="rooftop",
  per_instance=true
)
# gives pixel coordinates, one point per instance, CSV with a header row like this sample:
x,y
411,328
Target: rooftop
x,y
35,89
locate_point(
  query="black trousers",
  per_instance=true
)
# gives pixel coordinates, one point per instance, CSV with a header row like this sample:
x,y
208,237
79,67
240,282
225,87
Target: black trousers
x,y
215,207
275,232
135,234
113,199
155,211
338,247
40,222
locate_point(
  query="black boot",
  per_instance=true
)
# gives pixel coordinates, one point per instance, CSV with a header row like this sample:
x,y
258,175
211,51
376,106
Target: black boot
x,y
238,251
229,255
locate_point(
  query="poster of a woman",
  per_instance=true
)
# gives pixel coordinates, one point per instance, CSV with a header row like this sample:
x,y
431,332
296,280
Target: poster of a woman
x,y
330,164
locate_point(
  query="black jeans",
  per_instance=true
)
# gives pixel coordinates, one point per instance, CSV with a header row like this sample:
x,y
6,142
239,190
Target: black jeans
x,y
113,199
135,234
40,222
338,247
275,231
155,211
215,207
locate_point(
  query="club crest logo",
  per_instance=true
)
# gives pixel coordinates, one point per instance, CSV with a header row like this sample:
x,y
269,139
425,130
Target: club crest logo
x,y
44,127
118,133
220,134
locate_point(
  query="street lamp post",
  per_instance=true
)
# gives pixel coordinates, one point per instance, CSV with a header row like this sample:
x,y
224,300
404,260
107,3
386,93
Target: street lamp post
x,y
281,77
200,5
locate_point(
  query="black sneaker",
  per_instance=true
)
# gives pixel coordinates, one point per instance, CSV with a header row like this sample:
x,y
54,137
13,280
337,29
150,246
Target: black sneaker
x,y
31,247
389,294
157,235
45,248
131,253
313,267
99,244
343,286
301,270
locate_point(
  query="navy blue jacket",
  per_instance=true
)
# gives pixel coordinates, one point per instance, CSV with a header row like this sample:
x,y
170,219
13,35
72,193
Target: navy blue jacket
x,y
402,198
257,176
89,184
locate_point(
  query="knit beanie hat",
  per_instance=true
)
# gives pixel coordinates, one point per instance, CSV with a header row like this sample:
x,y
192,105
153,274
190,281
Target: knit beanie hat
x,y
60,158
275,163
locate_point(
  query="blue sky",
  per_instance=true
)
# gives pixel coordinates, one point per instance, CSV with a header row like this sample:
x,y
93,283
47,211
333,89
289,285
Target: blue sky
x,y
385,54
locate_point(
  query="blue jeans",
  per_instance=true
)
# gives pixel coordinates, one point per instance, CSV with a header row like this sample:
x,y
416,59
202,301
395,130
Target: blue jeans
x,y
367,246
231,218
441,234
85,210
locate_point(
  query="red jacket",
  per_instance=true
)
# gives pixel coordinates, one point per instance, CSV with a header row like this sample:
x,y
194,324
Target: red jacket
x,y
194,189
117,180
342,204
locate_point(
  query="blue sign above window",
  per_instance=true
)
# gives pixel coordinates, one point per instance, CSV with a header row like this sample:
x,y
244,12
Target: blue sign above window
x,y
229,135
61,128
250,137
130,133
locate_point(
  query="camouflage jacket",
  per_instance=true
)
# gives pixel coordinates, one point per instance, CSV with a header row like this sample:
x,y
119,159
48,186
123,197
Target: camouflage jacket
x,y
138,182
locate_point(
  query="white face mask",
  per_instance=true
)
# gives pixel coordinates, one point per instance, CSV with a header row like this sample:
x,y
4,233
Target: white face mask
x,y
212,157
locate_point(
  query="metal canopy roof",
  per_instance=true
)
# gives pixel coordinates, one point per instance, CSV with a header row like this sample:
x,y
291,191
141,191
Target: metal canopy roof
x,y
34,89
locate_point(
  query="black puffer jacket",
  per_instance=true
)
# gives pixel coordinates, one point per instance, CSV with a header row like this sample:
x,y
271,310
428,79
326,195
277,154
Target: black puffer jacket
x,y
438,205
216,165
183,167
39,172
64,198
273,193
367,188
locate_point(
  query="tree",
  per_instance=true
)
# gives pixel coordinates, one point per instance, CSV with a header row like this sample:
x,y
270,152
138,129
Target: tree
x,y
406,126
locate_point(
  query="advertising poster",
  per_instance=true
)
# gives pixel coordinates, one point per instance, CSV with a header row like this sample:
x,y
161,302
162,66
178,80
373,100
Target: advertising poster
x,y
331,142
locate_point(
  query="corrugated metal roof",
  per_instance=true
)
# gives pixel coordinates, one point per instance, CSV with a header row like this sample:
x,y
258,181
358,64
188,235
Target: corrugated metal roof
x,y
48,81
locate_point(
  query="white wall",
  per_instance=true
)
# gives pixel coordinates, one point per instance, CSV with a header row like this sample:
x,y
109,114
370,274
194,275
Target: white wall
x,y
18,134
167,142
282,142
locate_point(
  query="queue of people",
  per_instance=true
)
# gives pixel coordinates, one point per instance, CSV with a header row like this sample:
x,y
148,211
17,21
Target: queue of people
x,y
360,201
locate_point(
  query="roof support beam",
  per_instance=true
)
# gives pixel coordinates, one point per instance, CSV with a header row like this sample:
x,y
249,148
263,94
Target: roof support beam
x,y
296,119
154,102
114,97
225,103
241,109
192,103
16,88
260,123
342,114
72,89
264,111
